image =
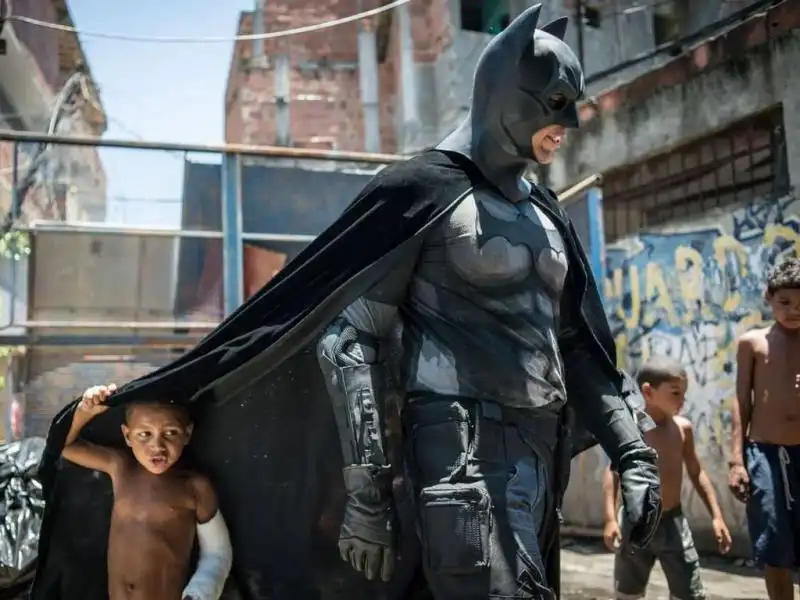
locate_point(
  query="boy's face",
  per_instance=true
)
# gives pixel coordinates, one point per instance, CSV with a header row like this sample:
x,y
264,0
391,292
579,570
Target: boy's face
x,y
785,305
665,400
157,436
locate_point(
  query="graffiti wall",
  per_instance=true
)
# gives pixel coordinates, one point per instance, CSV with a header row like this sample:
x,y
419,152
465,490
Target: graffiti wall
x,y
689,291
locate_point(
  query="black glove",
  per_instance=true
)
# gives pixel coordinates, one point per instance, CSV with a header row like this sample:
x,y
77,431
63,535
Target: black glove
x,y
366,538
640,486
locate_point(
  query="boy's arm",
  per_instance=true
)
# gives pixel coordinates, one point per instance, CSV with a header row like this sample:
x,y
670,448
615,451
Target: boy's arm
x,y
740,419
216,554
207,503
700,480
610,492
86,454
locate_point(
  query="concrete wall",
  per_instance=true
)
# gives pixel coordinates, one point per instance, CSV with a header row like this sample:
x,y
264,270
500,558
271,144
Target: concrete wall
x,y
425,77
89,277
689,291
627,30
81,277
629,130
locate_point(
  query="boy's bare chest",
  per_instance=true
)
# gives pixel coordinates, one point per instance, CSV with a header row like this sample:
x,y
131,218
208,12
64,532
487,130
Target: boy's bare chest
x,y
153,498
667,441
777,369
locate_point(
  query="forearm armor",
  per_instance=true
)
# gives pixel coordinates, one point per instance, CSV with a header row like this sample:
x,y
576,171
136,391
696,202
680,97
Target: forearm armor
x,y
356,381
612,411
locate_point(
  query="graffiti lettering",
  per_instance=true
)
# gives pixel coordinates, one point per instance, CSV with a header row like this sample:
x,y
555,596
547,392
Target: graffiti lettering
x,y
691,293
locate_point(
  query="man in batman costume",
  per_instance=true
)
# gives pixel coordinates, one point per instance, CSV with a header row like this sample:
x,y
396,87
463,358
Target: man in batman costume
x,y
506,359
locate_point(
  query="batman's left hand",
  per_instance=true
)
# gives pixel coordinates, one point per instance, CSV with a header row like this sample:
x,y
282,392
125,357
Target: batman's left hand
x,y
640,486
366,538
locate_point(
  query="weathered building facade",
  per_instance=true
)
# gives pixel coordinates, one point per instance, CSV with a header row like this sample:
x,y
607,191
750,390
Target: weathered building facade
x,y
401,81
394,83
699,157
39,63
39,91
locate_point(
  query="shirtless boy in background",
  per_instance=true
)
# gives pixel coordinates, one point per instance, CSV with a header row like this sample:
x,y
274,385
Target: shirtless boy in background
x,y
159,509
765,450
663,383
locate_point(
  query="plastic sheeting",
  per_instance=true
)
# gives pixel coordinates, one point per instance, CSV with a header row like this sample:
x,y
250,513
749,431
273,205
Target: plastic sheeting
x,y
21,507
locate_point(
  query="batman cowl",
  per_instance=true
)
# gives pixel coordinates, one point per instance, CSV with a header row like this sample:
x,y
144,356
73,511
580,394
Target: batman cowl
x,y
526,79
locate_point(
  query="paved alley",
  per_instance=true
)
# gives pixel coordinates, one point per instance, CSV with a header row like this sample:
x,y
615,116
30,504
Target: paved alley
x,y
586,574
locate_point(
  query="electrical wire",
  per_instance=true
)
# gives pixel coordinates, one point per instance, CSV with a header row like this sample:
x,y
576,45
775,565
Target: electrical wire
x,y
208,40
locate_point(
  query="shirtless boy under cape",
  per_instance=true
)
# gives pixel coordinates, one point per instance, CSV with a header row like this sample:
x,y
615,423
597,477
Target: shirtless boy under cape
x,y
159,509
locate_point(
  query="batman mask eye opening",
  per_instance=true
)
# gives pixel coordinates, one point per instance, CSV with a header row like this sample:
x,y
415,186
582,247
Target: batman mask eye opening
x,y
557,101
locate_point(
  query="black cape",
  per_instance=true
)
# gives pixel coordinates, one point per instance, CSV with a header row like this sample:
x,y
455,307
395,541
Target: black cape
x,y
264,429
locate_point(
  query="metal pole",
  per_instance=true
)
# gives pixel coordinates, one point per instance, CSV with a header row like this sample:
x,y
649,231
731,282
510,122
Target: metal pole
x,y
571,194
14,181
102,229
15,209
100,341
597,242
7,135
258,28
579,21
73,324
278,237
232,244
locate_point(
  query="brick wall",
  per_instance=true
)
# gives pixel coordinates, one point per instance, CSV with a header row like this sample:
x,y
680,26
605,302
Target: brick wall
x,y
325,101
57,378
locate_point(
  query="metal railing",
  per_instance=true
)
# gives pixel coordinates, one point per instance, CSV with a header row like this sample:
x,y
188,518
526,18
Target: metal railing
x,y
74,166
288,195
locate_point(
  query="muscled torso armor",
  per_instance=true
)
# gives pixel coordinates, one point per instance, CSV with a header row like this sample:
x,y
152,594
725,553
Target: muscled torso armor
x,y
479,307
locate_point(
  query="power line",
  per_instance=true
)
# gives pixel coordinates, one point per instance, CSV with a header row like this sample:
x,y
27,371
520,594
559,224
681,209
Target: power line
x,y
209,40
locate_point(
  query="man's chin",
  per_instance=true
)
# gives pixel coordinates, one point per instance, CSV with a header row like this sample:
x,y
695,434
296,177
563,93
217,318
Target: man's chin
x,y
544,157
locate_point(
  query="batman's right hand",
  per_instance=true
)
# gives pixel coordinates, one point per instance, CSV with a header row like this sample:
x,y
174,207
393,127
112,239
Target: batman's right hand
x,y
640,487
366,538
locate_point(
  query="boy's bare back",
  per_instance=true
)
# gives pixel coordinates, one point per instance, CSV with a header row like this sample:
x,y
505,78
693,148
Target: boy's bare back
x,y
768,363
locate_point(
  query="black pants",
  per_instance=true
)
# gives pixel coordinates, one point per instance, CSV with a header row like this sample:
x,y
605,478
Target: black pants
x,y
482,479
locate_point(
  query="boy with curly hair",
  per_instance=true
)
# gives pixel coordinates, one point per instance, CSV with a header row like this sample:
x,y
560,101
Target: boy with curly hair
x,y
764,467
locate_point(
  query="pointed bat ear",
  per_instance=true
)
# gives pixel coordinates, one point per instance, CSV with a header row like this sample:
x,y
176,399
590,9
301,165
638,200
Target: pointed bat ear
x,y
557,28
520,31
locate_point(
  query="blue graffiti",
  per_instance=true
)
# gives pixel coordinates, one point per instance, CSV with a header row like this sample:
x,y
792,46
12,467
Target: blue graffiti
x,y
734,275
689,293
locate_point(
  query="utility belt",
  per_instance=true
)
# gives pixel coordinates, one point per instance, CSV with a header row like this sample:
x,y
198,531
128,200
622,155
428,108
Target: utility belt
x,y
547,431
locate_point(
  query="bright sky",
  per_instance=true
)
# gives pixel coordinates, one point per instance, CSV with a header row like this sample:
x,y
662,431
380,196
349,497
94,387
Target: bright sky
x,y
163,92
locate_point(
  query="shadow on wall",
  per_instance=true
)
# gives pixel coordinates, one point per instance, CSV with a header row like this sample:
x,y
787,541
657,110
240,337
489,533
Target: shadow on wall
x,y
689,291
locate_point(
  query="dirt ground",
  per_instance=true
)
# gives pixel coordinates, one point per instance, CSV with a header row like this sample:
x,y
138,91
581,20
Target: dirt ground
x,y
586,574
